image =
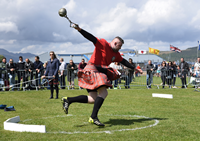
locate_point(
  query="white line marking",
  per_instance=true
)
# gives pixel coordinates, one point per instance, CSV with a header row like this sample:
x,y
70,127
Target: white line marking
x,y
162,95
106,131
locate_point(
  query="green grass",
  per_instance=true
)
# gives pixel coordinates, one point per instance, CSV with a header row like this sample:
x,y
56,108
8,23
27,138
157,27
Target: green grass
x,y
179,118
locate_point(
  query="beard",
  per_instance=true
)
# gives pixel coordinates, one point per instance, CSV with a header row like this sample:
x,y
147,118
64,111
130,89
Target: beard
x,y
115,50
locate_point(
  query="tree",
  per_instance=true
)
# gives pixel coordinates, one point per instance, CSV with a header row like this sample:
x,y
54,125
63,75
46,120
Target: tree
x,y
1,57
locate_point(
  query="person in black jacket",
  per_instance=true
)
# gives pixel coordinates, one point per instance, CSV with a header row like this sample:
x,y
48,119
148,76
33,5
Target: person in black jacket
x,y
28,70
21,71
184,67
38,66
149,77
11,70
170,69
163,73
174,74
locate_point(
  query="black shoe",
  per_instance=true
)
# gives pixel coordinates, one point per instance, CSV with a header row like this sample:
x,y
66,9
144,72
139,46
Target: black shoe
x,y
183,87
65,104
56,98
51,98
96,122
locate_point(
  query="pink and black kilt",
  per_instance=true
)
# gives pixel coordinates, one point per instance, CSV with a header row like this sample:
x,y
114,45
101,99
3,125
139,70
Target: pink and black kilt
x,y
53,81
90,78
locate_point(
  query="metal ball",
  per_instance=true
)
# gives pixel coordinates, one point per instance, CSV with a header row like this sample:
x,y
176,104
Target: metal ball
x,y
62,12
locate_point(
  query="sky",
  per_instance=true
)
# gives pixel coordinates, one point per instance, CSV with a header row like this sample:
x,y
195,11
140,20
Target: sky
x,y
34,26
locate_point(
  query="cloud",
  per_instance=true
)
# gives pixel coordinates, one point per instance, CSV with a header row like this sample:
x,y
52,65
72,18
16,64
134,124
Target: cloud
x,y
8,27
36,27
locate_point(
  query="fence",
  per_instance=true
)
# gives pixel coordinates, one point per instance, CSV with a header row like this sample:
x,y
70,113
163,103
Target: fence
x,y
156,79
24,80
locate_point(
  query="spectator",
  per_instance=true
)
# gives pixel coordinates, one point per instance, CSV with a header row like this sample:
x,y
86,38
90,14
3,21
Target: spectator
x,y
192,68
71,67
52,71
82,64
184,70
163,69
136,72
158,70
129,74
28,70
118,67
20,71
62,73
180,75
45,82
149,77
196,72
3,74
38,66
11,69
174,74
170,70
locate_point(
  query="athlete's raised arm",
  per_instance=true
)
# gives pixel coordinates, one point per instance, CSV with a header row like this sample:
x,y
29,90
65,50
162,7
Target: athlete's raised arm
x,y
87,35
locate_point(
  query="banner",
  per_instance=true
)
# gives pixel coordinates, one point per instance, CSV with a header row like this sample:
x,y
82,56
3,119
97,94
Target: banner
x,y
173,48
142,51
131,53
154,51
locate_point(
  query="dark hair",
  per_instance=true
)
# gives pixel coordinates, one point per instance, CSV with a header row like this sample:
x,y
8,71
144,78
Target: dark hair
x,y
53,54
37,57
121,40
163,62
170,62
20,57
3,58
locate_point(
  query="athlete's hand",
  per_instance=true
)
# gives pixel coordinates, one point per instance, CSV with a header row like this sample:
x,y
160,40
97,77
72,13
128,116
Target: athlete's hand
x,y
76,27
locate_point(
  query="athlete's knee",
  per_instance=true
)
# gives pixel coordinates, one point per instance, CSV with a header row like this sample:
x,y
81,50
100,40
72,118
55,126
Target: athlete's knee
x,y
103,92
92,97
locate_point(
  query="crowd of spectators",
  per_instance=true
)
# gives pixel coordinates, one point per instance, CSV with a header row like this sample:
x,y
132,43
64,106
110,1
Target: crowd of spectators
x,y
27,74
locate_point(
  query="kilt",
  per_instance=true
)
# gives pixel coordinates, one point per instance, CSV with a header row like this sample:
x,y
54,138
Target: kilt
x,y
90,78
53,81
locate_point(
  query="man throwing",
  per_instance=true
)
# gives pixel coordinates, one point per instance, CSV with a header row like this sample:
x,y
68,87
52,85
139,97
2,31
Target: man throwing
x,y
96,77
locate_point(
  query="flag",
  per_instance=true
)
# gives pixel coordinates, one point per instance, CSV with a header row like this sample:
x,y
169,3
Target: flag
x,y
198,46
142,51
122,54
154,51
173,48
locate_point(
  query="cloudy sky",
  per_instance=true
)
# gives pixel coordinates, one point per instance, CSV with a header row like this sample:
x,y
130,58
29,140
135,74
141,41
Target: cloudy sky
x,y
34,25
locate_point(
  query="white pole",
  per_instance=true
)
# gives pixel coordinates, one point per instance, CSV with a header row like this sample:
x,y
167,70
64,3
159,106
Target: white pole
x,y
197,48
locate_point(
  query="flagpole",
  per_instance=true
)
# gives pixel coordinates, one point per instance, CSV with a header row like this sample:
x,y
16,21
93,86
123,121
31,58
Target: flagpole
x,y
148,51
197,48
169,54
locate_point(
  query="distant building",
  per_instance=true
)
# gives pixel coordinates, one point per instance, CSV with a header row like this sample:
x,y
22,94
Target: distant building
x,y
67,57
139,59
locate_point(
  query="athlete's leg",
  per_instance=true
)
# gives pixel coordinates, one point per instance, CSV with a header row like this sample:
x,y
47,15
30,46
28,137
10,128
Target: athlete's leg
x,y
92,97
97,105
66,101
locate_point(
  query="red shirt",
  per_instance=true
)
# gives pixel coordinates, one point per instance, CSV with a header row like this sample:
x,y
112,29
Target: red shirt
x,y
103,54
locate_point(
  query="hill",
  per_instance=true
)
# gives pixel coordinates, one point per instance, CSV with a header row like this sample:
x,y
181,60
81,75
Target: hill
x,y
15,56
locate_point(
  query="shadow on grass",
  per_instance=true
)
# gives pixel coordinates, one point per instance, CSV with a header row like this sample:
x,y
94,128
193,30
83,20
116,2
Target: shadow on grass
x,y
130,121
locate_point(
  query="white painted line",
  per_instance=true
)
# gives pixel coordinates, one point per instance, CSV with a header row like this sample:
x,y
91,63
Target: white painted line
x,y
106,131
170,96
12,124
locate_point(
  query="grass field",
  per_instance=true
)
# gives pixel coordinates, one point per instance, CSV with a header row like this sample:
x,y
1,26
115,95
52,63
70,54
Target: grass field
x,y
125,113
